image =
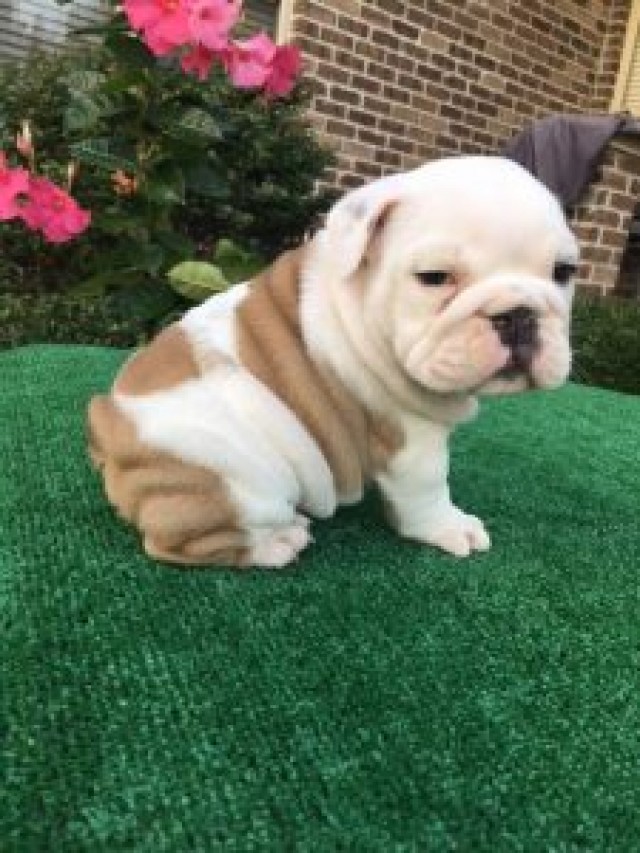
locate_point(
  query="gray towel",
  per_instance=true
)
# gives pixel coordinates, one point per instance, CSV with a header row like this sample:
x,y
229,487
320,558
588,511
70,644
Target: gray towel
x,y
564,151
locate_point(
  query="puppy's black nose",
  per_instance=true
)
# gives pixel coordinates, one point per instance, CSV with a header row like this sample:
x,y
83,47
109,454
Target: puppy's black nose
x,y
517,328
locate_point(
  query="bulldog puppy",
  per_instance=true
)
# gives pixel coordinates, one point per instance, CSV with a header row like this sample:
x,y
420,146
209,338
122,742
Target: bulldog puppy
x,y
349,360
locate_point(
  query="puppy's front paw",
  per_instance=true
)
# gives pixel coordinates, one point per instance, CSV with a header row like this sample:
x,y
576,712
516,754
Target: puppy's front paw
x,y
457,533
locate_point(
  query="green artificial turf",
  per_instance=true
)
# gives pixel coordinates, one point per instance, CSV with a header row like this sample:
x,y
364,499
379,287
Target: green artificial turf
x,y
378,697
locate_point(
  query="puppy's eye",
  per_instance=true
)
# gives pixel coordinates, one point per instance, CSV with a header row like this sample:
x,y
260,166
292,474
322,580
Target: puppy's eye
x,y
563,272
433,278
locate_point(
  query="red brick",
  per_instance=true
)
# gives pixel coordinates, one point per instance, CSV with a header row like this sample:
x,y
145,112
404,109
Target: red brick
x,y
385,39
405,30
597,254
356,28
613,239
333,73
364,118
345,96
388,158
371,138
610,218
378,106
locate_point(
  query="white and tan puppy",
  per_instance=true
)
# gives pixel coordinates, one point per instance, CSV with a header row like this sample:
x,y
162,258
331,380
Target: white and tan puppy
x,y
349,360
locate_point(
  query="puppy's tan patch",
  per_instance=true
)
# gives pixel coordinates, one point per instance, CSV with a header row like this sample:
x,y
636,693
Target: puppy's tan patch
x,y
184,511
270,344
164,363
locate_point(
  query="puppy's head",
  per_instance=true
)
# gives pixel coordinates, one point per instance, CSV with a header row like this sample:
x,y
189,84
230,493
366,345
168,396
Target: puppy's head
x,y
461,271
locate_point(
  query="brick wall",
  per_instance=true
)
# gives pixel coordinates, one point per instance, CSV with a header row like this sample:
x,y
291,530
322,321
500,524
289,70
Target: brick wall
x,y
602,219
606,71
400,81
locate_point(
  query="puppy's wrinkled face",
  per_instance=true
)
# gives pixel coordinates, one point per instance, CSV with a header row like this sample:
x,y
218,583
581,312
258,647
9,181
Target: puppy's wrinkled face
x,y
468,276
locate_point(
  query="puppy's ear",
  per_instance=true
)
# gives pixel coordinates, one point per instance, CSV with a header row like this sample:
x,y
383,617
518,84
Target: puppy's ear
x,y
355,224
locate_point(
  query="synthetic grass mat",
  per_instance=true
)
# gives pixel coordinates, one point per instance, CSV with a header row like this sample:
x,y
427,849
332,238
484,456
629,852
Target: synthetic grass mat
x,y
380,696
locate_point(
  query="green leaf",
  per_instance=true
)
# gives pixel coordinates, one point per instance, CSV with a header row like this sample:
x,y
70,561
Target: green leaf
x,y
128,50
96,285
148,257
147,300
165,186
115,222
175,243
161,193
203,181
98,152
237,264
132,256
130,81
196,121
197,280
82,80
83,113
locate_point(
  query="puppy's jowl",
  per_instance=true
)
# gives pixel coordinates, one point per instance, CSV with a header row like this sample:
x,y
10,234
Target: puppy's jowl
x,y
350,359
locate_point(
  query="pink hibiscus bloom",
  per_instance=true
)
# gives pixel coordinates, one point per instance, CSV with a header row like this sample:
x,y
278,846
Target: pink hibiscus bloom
x,y
248,63
211,20
13,183
52,211
285,67
164,24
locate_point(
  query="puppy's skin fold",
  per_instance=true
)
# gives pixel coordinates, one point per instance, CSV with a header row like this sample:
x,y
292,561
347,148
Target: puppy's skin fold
x,y
347,361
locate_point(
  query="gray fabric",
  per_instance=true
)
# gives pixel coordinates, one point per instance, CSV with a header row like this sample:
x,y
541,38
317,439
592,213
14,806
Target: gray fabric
x,y
563,151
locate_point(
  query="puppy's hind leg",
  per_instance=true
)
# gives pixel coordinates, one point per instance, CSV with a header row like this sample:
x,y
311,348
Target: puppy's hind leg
x,y
276,533
277,546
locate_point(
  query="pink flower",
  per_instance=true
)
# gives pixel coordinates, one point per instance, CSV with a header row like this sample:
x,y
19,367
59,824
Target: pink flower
x,y
198,60
164,24
248,63
13,183
285,67
211,20
52,211
202,28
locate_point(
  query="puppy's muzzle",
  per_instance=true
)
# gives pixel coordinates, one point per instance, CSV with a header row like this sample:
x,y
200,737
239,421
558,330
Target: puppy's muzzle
x,y
517,330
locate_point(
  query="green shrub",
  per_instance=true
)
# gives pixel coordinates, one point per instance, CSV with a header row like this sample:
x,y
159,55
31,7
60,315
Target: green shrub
x,y
606,342
209,161
112,321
